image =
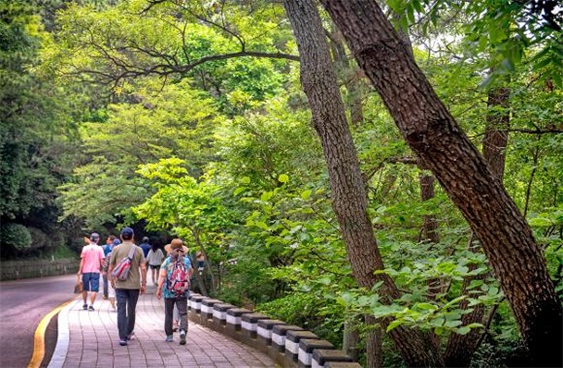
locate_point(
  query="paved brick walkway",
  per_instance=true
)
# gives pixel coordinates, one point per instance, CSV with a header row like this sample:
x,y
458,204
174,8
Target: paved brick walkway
x,y
89,339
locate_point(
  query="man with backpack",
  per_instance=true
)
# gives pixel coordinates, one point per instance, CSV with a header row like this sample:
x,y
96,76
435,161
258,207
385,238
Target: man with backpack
x,y
174,283
128,285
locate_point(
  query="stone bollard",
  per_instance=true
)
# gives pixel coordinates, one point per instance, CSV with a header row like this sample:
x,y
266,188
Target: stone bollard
x,y
249,323
292,342
306,347
194,301
342,365
207,307
279,333
234,319
322,356
264,330
220,313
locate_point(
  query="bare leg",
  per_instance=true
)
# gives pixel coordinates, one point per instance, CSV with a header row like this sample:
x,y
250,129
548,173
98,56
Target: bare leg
x,y
93,297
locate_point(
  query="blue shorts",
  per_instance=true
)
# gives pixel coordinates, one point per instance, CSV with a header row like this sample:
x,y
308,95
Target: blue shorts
x,y
91,281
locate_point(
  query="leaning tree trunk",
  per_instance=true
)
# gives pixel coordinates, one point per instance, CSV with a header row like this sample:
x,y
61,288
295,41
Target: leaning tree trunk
x,y
352,77
349,199
433,134
460,348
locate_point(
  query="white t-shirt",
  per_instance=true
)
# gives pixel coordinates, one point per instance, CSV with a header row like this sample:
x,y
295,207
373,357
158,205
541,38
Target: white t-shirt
x,y
155,258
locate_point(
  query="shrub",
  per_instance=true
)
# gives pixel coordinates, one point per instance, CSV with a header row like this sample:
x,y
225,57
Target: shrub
x,y
38,238
16,236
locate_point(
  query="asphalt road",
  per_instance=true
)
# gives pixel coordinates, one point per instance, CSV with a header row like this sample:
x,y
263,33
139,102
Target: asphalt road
x,y
23,303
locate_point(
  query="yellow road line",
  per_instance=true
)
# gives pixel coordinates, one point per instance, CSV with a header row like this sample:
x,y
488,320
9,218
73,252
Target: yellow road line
x,y
39,339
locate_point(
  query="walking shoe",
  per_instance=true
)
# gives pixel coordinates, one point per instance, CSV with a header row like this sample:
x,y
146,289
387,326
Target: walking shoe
x,y
85,306
123,342
91,308
182,337
131,336
169,338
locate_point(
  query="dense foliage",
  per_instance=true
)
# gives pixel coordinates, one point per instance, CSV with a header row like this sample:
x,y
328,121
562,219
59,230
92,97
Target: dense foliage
x,y
187,119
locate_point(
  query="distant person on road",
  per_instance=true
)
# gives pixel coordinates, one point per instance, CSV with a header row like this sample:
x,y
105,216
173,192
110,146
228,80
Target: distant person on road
x,y
145,246
154,260
91,262
111,290
127,291
107,249
174,284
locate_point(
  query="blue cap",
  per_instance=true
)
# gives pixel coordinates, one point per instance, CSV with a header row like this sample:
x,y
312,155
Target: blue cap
x,y
116,241
127,233
94,237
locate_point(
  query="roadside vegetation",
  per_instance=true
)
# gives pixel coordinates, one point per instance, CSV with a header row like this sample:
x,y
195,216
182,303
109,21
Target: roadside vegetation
x,y
315,197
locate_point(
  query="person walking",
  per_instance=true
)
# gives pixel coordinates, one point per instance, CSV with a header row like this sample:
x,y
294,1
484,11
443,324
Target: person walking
x,y
127,291
145,246
91,262
111,290
154,260
107,249
173,284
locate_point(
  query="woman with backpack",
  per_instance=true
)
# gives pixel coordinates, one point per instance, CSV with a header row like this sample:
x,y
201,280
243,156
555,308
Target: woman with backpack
x,y
154,260
173,284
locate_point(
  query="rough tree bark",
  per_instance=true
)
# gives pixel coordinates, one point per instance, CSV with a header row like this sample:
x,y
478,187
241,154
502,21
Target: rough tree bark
x,y
351,75
433,134
496,130
460,348
349,199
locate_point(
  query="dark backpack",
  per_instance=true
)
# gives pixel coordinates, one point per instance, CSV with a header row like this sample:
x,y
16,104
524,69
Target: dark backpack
x,y
178,281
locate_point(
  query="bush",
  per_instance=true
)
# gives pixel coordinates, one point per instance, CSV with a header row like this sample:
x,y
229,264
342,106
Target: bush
x,y
38,238
16,235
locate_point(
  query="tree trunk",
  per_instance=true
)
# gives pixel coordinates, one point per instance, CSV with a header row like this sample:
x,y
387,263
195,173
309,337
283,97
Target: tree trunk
x,y
374,344
430,234
430,224
349,199
352,77
351,339
460,348
433,134
496,131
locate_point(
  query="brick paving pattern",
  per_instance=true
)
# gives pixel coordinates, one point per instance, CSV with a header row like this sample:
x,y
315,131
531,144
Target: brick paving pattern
x,y
92,341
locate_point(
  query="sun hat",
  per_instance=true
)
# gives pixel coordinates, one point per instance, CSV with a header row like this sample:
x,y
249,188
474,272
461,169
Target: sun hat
x,y
176,244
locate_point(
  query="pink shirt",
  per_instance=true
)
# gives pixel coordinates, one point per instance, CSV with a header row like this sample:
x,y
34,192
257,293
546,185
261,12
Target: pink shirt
x,y
92,255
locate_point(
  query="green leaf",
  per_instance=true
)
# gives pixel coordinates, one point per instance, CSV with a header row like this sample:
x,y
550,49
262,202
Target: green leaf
x,y
540,222
306,194
239,190
462,330
283,178
426,306
396,323
454,323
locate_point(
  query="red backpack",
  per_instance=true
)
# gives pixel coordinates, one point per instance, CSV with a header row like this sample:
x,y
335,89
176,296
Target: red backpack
x,y
178,281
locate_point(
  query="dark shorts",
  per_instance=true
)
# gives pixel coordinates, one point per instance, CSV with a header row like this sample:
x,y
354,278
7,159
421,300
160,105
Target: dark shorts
x,y
91,281
154,267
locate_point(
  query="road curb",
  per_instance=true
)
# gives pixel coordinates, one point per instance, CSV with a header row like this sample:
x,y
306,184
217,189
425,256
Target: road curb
x,y
39,336
63,336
